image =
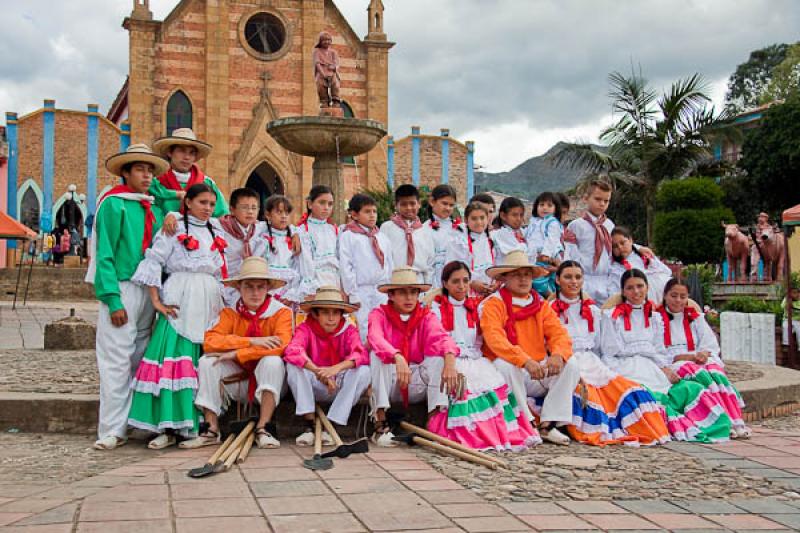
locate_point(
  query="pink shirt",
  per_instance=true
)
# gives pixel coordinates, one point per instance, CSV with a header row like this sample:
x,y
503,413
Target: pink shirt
x,y
429,339
306,345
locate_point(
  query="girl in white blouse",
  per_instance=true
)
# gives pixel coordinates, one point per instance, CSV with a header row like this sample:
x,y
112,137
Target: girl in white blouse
x,y
319,238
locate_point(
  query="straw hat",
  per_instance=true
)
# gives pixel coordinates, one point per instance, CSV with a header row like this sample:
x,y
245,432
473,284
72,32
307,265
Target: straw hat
x,y
255,268
137,153
329,298
181,137
515,260
404,278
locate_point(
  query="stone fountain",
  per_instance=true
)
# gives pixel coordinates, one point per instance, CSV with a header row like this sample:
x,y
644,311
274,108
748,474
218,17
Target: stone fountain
x,y
327,139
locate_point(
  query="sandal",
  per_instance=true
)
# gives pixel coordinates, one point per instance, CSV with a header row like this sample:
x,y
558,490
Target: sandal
x,y
206,438
383,436
164,440
109,443
264,439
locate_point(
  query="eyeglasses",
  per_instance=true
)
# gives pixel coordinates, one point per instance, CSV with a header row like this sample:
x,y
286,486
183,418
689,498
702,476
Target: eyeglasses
x,y
247,208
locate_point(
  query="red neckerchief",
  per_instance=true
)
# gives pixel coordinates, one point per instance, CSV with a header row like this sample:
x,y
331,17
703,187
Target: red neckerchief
x,y
447,311
219,245
518,234
406,327
602,238
169,180
372,234
253,319
234,229
690,314
304,222
526,312
625,309
409,230
149,217
472,253
560,307
330,355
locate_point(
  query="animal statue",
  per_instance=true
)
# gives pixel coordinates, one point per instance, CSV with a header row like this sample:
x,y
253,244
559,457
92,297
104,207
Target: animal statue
x,y
736,251
770,242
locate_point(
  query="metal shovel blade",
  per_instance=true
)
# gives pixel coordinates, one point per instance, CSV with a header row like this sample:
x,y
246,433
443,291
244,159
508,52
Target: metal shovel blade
x,y
318,463
202,471
345,450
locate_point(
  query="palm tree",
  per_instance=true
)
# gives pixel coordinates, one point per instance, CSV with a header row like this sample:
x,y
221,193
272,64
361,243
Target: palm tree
x,y
654,138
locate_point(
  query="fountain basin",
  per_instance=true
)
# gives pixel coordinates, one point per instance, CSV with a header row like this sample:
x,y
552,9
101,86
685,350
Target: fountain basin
x,y
317,136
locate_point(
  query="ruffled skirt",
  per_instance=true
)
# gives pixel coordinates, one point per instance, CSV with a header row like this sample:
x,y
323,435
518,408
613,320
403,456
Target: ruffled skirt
x,y
713,379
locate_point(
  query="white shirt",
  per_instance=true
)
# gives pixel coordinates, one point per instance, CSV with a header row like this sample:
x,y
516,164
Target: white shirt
x,y
640,340
424,253
583,252
320,241
544,237
702,334
578,327
282,261
658,274
443,239
507,240
468,340
478,259
359,264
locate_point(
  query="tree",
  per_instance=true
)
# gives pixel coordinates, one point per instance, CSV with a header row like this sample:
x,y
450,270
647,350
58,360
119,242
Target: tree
x,y
747,85
654,139
771,156
687,225
785,77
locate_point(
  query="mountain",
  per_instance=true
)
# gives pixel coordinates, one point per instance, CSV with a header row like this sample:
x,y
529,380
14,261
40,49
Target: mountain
x,y
534,176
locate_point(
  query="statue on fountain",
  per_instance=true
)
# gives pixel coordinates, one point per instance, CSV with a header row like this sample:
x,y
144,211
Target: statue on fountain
x,y
326,75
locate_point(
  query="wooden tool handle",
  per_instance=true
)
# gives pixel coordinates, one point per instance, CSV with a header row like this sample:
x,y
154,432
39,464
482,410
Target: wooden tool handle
x,y
237,443
248,445
234,455
224,446
317,436
452,444
446,450
328,426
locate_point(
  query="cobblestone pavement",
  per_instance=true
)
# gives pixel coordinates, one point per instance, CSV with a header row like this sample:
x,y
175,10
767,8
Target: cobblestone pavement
x,y
68,372
23,327
386,490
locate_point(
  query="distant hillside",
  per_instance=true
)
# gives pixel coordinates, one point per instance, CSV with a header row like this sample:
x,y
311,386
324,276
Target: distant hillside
x,y
530,178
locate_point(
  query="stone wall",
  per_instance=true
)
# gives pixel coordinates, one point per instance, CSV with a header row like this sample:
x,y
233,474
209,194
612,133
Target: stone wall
x,y
47,284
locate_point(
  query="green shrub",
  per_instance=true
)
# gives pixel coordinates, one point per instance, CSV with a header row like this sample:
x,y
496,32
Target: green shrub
x,y
748,304
689,193
691,235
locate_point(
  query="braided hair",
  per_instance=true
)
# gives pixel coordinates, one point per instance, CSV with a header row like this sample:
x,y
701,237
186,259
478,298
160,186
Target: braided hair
x,y
273,202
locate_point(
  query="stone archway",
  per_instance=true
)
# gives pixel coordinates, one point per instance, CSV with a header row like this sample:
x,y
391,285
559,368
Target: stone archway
x,y
265,181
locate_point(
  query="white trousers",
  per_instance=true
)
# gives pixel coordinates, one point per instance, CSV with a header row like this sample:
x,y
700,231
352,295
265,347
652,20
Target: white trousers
x,y
369,297
557,390
119,351
307,390
213,395
425,381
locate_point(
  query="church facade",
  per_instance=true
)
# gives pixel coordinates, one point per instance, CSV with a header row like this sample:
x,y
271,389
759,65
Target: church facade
x,y
227,68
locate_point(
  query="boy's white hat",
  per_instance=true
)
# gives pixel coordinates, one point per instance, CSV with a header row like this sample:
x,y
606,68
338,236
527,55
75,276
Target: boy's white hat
x,y
255,268
515,260
329,298
404,278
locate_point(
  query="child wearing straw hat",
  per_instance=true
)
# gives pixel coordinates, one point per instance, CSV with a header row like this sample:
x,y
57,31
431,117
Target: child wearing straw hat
x,y
250,339
124,227
412,357
528,344
182,149
325,361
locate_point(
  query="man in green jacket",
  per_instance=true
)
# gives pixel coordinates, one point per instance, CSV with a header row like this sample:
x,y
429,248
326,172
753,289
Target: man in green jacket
x,y
182,149
125,223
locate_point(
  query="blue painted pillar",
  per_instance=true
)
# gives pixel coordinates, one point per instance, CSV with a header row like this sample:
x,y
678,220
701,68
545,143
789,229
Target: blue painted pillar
x,y
13,166
415,143
91,162
470,169
445,155
125,136
48,164
390,162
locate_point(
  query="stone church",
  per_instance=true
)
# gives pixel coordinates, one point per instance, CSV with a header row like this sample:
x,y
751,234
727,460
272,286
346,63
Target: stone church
x,y
226,68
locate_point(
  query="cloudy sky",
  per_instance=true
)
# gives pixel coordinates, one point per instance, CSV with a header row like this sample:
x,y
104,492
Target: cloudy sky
x,y
515,76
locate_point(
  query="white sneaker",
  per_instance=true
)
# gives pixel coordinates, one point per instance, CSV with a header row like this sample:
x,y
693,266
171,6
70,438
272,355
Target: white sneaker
x,y
556,437
326,439
306,438
264,439
384,440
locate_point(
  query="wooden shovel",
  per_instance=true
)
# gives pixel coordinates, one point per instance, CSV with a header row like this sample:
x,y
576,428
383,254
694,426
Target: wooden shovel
x,y
342,450
214,461
452,444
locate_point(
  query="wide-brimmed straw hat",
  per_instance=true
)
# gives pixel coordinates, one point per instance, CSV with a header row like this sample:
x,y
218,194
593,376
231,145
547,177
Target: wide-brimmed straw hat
x,y
404,278
515,260
255,268
137,153
329,298
182,137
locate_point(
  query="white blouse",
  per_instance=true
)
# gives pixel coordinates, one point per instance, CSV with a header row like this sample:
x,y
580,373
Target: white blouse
x,y
468,340
507,240
478,259
704,338
583,340
282,261
544,237
169,255
658,274
640,340
443,239
320,241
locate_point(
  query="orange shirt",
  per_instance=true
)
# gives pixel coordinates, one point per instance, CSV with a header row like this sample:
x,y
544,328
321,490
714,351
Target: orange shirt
x,y
229,334
537,335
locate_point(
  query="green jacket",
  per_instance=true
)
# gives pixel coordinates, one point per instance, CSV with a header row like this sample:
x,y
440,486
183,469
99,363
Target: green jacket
x,y
119,231
167,201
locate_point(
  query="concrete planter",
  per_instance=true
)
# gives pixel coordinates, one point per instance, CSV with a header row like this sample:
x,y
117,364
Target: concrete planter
x,y
748,337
